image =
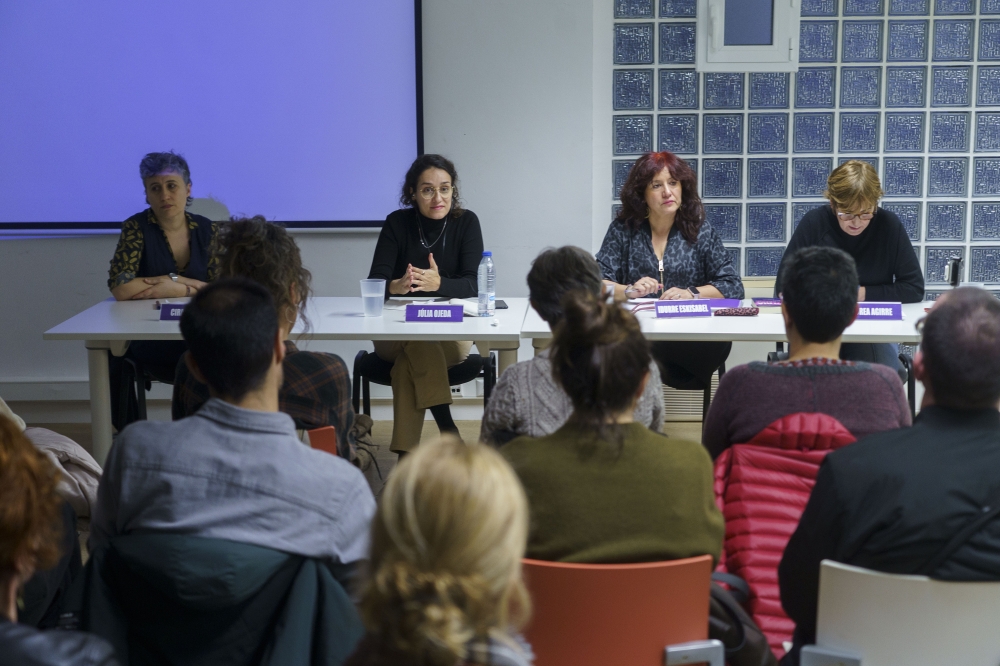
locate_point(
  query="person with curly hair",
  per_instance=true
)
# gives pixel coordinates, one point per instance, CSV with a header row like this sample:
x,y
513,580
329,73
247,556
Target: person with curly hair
x,y
316,391
661,245
31,529
430,247
444,585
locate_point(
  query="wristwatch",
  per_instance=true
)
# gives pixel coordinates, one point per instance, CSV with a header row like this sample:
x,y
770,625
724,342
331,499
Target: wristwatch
x,y
173,276
694,291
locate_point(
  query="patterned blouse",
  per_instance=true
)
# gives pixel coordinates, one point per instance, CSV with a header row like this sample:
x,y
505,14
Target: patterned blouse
x,y
139,255
626,256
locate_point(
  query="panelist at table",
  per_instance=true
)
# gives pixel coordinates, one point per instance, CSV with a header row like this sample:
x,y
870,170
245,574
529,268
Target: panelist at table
x,y
430,247
875,238
661,245
163,252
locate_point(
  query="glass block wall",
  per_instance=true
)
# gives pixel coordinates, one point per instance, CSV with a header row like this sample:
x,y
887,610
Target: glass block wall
x,y
912,86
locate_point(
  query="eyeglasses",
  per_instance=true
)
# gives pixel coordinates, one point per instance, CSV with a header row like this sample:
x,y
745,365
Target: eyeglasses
x,y
864,217
427,193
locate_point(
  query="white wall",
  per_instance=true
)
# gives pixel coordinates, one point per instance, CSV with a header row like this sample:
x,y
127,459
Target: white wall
x,y
510,89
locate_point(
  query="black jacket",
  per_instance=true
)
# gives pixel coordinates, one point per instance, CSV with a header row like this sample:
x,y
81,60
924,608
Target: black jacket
x,y
893,500
21,645
888,268
174,599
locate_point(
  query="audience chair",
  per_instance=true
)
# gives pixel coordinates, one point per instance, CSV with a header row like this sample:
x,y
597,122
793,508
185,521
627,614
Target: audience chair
x,y
761,488
324,439
369,368
646,614
877,619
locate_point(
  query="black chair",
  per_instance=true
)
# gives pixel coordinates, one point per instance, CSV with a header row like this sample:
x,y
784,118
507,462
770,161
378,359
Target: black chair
x,y
693,384
370,367
904,360
135,381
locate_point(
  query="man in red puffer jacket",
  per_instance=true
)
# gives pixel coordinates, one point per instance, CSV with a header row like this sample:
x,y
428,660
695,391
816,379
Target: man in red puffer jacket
x,y
819,300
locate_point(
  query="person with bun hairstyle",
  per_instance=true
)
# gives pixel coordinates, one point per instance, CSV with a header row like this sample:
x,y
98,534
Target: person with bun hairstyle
x,y
429,247
888,269
30,534
445,584
603,488
316,390
661,245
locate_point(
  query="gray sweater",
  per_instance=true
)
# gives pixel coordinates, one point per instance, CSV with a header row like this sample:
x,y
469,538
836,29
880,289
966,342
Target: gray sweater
x,y
527,401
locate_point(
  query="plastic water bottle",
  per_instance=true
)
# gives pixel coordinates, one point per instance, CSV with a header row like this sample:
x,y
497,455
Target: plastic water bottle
x,y
487,286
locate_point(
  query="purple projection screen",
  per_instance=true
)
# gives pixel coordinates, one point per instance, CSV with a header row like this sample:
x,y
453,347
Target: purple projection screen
x,y
298,110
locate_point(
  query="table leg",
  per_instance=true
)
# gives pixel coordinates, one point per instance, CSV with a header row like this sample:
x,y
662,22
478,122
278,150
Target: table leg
x,y
508,357
540,343
100,399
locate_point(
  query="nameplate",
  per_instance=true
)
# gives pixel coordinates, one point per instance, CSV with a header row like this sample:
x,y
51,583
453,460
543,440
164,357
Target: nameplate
x,y
767,302
696,308
171,311
433,313
885,311
716,303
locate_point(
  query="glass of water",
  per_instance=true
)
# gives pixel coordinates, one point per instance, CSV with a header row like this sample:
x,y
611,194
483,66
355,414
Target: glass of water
x,y
373,297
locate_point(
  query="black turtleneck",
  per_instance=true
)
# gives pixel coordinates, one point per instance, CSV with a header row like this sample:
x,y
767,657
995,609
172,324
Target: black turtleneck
x,y
888,268
457,251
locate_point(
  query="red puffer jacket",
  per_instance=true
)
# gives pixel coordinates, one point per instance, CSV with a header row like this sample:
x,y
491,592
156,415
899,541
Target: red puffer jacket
x,y
762,488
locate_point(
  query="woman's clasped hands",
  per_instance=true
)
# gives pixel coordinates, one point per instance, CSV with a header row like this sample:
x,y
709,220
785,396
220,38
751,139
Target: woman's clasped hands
x,y
418,279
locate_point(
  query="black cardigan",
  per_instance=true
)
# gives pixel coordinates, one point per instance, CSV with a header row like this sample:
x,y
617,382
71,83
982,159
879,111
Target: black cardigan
x,y
887,265
457,252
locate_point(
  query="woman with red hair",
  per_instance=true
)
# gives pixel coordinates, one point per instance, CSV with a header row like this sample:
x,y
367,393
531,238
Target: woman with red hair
x,y
661,245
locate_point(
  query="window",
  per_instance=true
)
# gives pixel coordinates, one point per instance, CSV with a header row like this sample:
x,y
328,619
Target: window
x,y
748,35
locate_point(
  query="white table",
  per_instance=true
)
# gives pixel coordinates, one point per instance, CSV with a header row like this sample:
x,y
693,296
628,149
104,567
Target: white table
x,y
110,325
762,328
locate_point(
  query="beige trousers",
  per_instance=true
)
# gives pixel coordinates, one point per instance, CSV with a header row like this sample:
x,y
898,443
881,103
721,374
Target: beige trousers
x,y
419,381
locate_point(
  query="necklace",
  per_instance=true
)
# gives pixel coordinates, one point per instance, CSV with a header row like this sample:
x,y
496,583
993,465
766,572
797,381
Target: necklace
x,y
423,241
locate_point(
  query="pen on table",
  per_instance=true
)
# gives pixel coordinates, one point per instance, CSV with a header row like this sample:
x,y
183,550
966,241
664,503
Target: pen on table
x,y
156,305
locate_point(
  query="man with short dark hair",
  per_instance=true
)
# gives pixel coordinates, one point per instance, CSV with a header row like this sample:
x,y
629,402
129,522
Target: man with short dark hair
x,y
894,500
819,300
235,470
527,400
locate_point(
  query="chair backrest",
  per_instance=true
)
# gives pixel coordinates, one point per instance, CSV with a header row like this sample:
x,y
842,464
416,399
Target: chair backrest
x,y
891,620
601,614
324,439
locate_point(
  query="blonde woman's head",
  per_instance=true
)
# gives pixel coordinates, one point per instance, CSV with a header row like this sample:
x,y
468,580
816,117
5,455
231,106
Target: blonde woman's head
x,y
854,191
447,543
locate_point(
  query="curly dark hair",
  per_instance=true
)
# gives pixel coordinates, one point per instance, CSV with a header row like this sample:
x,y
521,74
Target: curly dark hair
x,y
30,518
633,196
267,254
421,164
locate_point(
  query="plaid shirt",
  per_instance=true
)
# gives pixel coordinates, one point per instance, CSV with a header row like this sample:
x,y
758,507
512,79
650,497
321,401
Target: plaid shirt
x,y
316,392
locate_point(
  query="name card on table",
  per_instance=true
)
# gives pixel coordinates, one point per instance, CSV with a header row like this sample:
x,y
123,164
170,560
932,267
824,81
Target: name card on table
x,y
695,308
767,302
885,311
171,311
433,312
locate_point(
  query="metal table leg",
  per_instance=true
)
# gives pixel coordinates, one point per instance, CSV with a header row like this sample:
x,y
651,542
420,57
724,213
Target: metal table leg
x,y
100,398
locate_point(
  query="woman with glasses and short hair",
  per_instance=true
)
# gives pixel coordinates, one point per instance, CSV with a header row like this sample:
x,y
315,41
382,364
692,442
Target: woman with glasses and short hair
x,y
888,269
430,247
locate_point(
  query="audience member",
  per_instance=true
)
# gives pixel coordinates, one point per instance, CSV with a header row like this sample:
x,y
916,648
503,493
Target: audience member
x,y
317,390
894,500
527,400
235,469
820,301
31,529
603,488
447,541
